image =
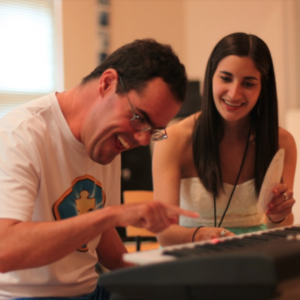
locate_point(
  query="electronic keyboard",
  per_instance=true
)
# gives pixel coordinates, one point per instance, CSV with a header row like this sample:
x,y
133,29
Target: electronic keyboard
x,y
244,267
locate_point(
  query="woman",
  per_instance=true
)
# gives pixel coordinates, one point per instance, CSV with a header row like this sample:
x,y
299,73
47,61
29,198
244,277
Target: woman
x,y
214,162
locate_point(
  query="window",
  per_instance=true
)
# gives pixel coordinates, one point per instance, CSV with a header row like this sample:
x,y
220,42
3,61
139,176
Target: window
x,y
29,54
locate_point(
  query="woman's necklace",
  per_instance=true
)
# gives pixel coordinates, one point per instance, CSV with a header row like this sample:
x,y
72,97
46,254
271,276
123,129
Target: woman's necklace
x,y
237,179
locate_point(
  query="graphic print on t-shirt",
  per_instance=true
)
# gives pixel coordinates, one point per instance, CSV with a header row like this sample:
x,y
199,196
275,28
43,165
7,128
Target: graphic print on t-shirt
x,y
84,195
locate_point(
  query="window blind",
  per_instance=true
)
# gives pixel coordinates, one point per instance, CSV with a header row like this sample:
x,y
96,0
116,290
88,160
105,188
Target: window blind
x,y
27,51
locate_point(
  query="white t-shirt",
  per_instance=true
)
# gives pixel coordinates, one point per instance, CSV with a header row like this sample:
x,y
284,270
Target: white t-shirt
x,y
46,175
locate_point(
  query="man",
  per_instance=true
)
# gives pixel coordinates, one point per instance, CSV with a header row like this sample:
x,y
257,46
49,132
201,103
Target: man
x,y
59,159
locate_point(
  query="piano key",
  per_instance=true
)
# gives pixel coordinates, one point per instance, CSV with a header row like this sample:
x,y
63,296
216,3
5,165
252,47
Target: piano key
x,y
274,236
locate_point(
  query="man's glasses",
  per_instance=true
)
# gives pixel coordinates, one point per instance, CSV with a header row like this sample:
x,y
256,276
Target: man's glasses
x,y
140,124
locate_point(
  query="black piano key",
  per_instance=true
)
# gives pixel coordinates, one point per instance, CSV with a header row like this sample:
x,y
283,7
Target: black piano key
x,y
256,238
226,244
222,246
241,242
208,247
273,236
280,233
236,243
292,230
184,252
198,250
176,252
296,228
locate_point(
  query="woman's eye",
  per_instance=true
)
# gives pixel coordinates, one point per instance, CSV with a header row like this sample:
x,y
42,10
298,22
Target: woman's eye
x,y
225,78
248,84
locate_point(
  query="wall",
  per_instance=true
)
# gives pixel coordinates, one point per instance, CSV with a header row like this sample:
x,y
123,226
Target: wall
x,y
79,39
216,18
159,19
293,125
202,23
192,27
131,19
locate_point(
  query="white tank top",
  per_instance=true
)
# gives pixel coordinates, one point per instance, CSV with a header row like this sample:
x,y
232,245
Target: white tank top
x,y
242,211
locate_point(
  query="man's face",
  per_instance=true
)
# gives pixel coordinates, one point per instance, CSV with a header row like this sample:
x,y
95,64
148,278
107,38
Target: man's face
x,y
107,131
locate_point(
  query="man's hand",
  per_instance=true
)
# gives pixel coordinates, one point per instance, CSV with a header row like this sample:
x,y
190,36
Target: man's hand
x,y
155,216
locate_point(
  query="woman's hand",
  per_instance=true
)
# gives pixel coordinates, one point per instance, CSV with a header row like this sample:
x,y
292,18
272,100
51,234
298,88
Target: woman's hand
x,y
281,205
208,233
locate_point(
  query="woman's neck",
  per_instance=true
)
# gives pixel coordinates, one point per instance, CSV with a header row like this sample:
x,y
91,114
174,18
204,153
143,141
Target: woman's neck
x,y
236,130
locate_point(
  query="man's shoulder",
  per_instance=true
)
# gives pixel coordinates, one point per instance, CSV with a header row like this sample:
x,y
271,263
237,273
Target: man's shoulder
x,y
25,113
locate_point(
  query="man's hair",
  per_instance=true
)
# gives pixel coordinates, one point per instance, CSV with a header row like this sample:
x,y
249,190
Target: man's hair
x,y
208,130
143,60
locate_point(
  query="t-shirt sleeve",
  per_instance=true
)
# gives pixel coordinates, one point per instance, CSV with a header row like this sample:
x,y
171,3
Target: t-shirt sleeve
x,y
18,175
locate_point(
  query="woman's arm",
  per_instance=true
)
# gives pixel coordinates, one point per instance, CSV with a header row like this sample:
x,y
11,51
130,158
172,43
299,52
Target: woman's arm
x,y
280,208
173,160
166,168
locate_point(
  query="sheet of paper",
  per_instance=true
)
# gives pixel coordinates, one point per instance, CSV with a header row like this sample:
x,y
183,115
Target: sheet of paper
x,y
272,177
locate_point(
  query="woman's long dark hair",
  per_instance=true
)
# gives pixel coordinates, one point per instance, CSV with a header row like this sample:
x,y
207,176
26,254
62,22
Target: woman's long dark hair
x,y
264,116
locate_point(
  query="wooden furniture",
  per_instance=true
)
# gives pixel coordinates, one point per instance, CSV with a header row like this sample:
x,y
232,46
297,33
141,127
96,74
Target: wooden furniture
x,y
139,233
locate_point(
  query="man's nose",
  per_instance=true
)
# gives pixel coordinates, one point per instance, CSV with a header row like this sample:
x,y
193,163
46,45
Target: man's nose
x,y
143,137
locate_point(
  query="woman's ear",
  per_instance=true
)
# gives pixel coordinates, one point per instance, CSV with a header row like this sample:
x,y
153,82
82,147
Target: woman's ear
x,y
108,81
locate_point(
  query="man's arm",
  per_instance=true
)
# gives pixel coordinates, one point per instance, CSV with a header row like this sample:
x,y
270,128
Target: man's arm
x,y
111,249
34,244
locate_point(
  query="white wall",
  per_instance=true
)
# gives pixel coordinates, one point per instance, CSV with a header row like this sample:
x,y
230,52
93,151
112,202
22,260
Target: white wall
x,y
79,39
293,125
193,27
159,19
210,20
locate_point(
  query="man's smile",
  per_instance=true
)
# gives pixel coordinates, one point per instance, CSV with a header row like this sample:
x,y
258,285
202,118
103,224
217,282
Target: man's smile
x,y
123,142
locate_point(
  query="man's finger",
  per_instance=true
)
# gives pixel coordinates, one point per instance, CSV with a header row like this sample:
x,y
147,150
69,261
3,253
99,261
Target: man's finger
x,y
180,211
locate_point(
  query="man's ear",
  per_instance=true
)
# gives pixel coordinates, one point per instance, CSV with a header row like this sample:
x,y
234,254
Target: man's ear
x,y
108,81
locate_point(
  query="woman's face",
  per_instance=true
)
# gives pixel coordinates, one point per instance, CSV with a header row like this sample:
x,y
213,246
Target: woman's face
x,y
236,87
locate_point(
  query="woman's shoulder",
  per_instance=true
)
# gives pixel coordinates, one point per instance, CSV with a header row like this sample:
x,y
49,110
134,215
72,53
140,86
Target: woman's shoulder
x,y
286,139
179,139
183,126
288,143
